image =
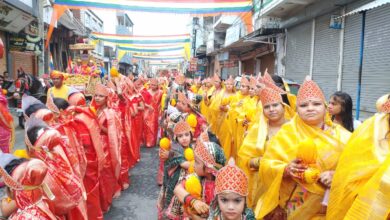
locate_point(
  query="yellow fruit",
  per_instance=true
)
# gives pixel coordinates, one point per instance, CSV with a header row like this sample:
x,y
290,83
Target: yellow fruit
x,y
225,101
173,102
307,151
311,175
165,143
191,169
191,120
189,154
193,186
4,92
114,72
21,154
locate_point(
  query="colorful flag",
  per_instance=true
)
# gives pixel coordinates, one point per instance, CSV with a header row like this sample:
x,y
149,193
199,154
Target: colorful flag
x,y
51,64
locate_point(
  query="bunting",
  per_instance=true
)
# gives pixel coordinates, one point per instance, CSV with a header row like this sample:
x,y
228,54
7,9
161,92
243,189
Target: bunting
x,y
140,49
194,7
144,40
159,57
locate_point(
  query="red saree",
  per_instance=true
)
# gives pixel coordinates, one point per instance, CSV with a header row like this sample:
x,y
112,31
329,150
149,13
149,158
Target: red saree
x,y
125,146
31,203
89,133
7,131
151,117
63,182
109,179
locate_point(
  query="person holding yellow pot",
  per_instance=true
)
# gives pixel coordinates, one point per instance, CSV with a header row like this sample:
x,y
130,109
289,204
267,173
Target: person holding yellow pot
x,y
285,193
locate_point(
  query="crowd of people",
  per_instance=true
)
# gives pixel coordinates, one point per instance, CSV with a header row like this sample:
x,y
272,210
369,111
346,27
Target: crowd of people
x,y
228,150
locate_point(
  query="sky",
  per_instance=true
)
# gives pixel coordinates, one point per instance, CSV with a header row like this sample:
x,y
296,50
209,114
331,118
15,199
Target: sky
x,y
150,23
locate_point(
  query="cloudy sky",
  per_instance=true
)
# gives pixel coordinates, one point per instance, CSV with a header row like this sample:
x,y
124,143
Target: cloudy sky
x,y
149,23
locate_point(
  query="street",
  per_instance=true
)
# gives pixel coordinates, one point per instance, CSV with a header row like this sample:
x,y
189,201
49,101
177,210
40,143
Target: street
x,y
139,200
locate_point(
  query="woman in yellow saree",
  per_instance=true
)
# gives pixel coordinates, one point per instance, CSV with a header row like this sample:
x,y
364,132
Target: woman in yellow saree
x,y
214,103
284,192
230,126
361,183
270,120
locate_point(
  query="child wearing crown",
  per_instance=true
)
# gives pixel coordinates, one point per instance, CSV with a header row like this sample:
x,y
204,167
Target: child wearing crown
x,y
231,189
175,169
196,192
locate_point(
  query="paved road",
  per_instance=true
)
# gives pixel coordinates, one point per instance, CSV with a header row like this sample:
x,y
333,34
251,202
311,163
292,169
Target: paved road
x,y
138,202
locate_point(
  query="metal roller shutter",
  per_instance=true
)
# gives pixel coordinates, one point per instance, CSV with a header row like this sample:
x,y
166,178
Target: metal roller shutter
x,y
326,55
298,51
376,65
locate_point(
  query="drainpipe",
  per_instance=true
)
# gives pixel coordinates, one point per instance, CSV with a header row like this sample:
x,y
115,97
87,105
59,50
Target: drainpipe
x,y
313,31
341,52
239,67
359,86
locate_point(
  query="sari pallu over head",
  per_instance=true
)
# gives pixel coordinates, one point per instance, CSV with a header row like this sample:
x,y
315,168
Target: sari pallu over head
x,y
28,187
275,190
113,126
361,187
62,181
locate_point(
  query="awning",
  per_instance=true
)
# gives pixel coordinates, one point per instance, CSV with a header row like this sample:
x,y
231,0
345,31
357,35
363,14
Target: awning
x,y
368,6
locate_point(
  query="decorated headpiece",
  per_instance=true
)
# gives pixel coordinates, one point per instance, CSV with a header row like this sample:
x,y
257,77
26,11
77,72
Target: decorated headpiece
x,y
181,127
210,154
308,90
231,179
33,121
252,82
269,96
269,82
40,109
244,81
56,74
102,89
230,80
383,104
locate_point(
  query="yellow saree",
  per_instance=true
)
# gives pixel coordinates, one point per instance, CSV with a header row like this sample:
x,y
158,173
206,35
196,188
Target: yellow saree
x,y
300,200
361,183
253,147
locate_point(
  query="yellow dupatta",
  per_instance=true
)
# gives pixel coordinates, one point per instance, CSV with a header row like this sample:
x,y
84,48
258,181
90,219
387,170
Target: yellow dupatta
x,y
274,190
290,110
253,147
361,183
214,111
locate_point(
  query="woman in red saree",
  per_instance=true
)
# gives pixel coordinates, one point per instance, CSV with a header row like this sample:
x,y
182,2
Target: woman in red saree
x,y
88,132
109,123
7,131
25,180
116,84
152,113
47,144
139,104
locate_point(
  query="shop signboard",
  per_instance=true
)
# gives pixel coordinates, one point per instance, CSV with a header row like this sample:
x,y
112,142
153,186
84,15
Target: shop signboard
x,y
23,42
13,19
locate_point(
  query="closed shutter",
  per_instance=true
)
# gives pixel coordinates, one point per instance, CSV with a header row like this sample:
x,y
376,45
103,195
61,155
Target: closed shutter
x,y
376,60
298,51
326,55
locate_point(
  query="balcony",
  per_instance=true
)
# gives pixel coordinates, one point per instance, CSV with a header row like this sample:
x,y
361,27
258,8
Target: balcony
x,y
283,8
224,22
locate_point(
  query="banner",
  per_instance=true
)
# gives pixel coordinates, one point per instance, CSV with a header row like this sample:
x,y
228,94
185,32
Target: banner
x,y
126,39
204,7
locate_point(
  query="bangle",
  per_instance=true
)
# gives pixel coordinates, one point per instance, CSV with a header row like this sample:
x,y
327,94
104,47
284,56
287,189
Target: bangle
x,y
188,200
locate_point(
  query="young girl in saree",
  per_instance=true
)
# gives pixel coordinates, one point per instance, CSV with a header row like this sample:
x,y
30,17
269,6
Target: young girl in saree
x,y
284,192
231,188
209,158
175,169
110,126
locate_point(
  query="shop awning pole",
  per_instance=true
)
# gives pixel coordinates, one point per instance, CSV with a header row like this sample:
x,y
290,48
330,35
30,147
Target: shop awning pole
x,y
359,87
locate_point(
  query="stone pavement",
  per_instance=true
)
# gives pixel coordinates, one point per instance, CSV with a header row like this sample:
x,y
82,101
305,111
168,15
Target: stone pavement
x,y
139,201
